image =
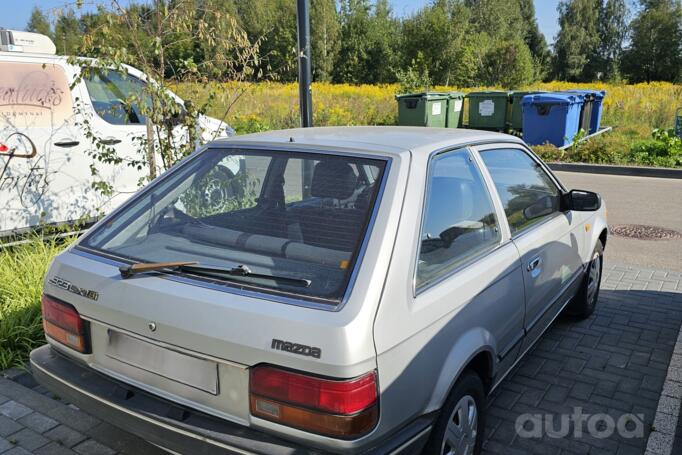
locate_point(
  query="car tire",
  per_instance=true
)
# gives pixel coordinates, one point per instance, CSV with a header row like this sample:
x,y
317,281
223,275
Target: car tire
x,y
585,301
460,425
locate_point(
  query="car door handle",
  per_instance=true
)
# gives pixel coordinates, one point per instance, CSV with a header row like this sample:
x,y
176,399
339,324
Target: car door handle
x,y
534,264
66,143
110,141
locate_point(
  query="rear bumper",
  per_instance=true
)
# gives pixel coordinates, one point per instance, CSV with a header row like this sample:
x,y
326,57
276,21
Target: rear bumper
x,y
175,427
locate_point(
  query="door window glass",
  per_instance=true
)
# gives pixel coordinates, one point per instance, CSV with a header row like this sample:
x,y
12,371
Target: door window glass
x,y
459,219
527,192
117,97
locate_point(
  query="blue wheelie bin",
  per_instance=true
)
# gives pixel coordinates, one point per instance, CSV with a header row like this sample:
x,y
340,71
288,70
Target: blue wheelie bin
x,y
597,99
551,117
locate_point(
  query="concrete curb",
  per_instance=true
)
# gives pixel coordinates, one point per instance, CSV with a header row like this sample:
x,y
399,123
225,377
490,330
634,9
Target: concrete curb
x,y
632,171
662,438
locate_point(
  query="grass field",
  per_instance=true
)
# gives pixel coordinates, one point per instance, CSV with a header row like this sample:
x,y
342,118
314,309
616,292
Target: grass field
x,y
633,110
22,269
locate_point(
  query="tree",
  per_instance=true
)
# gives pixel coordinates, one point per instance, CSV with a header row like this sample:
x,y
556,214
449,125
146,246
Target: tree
x,y
273,22
324,38
499,19
655,52
352,57
384,36
578,39
438,38
369,35
509,64
535,40
162,40
38,23
613,30
67,33
503,31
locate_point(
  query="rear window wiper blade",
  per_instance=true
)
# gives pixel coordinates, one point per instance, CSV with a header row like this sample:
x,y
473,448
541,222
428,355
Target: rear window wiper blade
x,y
142,267
217,272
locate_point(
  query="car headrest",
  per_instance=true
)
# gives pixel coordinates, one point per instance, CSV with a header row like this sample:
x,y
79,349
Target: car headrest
x,y
334,179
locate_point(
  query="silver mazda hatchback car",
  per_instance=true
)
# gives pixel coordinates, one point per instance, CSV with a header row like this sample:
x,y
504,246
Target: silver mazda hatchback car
x,y
343,290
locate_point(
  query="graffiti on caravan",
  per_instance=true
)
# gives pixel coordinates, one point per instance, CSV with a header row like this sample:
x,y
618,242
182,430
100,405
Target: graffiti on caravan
x,y
33,95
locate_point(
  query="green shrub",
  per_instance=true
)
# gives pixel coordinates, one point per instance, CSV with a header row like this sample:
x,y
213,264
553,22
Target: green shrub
x,y
603,149
22,270
246,124
664,149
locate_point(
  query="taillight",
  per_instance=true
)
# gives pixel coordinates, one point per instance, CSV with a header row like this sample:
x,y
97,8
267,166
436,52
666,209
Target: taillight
x,y
339,408
62,323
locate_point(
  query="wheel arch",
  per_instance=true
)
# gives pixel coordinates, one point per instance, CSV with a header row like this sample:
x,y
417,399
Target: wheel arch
x,y
603,235
480,345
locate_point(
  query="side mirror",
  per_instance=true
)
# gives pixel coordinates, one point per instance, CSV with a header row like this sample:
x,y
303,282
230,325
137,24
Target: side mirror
x,y
580,201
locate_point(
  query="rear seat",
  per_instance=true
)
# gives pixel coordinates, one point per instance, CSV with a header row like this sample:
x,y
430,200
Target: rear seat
x,y
272,246
325,233
330,225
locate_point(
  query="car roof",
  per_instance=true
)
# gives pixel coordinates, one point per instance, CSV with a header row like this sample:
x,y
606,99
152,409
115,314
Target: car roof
x,y
396,139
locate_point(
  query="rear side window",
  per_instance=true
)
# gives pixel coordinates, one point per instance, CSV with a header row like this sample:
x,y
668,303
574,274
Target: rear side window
x,y
459,219
527,192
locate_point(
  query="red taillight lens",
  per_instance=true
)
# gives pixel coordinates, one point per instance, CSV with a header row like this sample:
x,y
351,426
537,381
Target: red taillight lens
x,y
4,148
336,397
62,322
341,408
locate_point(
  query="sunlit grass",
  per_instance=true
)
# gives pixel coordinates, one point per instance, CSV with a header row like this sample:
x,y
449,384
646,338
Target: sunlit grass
x,y
22,270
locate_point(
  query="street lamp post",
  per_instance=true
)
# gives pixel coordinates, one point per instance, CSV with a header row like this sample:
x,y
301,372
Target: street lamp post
x,y
304,67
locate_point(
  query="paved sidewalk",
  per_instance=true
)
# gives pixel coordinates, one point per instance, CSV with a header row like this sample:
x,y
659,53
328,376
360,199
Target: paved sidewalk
x,y
614,363
32,421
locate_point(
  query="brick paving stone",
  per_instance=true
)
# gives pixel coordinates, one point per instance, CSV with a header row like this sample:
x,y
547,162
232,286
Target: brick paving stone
x,y
5,445
38,422
65,436
28,439
17,451
91,447
56,449
14,410
8,426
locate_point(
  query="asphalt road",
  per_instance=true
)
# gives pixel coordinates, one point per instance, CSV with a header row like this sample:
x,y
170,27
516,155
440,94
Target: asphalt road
x,y
637,200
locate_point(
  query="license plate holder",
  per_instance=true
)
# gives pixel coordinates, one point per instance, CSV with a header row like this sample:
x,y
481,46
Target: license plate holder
x,y
172,365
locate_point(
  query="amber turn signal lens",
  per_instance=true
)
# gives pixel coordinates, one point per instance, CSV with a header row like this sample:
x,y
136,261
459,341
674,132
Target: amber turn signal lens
x,y
71,340
337,426
62,323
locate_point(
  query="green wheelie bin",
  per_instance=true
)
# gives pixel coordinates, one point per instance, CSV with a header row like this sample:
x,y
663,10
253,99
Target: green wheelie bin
x,y
455,103
488,110
423,109
516,119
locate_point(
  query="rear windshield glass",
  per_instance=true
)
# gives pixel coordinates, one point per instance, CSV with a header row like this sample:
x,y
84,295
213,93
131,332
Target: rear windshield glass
x,y
299,217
